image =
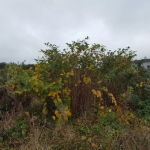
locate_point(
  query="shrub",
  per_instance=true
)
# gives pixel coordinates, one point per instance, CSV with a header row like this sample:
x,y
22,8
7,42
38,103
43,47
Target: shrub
x,y
61,81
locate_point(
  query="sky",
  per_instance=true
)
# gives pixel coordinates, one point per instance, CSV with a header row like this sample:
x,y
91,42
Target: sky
x,y
25,25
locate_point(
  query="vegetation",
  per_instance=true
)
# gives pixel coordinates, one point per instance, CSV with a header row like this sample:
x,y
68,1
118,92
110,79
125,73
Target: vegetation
x,y
84,97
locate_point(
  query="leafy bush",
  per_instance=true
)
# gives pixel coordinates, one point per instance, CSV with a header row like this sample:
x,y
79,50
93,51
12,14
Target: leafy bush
x,y
61,81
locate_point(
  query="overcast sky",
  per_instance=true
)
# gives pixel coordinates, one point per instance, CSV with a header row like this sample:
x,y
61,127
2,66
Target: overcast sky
x,y
25,25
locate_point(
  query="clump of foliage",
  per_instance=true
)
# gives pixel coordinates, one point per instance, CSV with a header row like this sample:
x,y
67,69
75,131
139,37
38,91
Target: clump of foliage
x,y
19,130
108,90
66,79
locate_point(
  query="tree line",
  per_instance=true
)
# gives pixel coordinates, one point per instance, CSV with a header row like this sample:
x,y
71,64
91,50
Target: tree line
x,y
25,66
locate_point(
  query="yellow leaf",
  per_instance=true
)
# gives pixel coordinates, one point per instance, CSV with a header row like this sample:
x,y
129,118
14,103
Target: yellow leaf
x,y
59,99
112,98
102,107
19,92
123,95
99,82
12,86
132,115
91,66
53,117
87,80
94,91
109,110
105,89
69,113
57,114
53,93
114,101
44,111
53,83
65,117
67,91
72,73
27,113
141,84
23,132
36,89
76,85
99,94
136,72
66,108
110,94
45,104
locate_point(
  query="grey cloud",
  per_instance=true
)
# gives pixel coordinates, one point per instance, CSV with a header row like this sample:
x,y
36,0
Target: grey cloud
x,y
26,25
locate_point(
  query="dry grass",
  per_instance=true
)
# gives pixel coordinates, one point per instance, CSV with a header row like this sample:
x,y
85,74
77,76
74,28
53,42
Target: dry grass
x,y
33,141
7,122
136,139
80,135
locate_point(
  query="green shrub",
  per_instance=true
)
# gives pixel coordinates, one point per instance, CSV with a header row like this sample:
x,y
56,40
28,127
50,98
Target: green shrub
x,y
63,82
